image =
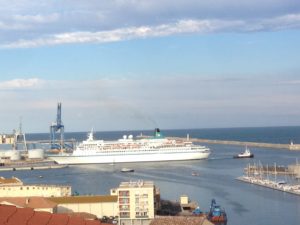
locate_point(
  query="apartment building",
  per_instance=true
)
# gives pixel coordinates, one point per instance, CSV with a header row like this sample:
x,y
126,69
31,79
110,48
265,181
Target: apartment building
x,y
137,201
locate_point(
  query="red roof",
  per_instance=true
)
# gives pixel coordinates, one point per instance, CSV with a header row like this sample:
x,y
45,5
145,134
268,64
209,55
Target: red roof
x,y
21,216
10,215
6,212
29,202
59,219
75,220
94,222
41,218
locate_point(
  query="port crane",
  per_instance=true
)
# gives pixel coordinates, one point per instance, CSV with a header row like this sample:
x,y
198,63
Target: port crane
x,y
55,127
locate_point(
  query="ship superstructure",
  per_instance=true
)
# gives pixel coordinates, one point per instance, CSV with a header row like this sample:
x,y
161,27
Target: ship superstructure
x,y
128,149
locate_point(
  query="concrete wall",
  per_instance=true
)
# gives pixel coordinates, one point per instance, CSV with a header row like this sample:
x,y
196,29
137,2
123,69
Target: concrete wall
x,y
134,222
50,210
294,147
99,209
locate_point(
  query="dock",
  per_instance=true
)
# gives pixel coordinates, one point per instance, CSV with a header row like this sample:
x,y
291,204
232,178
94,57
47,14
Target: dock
x,y
41,167
291,146
39,164
279,186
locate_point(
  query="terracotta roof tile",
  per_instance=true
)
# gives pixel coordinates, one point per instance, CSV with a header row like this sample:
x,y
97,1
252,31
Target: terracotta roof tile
x,y
6,212
84,215
30,202
21,216
84,199
10,215
75,220
59,219
40,218
94,222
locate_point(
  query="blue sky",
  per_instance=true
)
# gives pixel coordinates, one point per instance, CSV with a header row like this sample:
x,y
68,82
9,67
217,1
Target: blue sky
x,y
136,64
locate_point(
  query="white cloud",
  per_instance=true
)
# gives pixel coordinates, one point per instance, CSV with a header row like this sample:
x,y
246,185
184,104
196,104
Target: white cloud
x,y
180,27
25,23
38,18
14,26
16,84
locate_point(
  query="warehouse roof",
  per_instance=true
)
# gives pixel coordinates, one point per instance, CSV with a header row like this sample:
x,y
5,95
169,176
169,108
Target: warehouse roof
x,y
13,180
84,199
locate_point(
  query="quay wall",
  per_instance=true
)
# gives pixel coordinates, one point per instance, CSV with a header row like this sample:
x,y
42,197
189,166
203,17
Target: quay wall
x,y
243,143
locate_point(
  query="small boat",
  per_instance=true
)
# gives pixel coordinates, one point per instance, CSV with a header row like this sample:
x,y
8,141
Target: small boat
x,y
127,170
196,174
245,154
216,214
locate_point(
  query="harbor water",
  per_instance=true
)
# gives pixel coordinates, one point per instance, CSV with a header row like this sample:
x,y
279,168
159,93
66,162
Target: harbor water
x,y
243,202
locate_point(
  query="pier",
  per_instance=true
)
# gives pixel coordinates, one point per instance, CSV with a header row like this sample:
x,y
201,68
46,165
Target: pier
x,y
242,143
279,186
273,177
30,164
32,167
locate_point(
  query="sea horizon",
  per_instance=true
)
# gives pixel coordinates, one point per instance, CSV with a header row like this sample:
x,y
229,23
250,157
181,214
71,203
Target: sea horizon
x,y
280,134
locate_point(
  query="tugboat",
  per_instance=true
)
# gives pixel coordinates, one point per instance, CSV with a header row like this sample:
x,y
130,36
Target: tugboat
x,y
245,154
216,214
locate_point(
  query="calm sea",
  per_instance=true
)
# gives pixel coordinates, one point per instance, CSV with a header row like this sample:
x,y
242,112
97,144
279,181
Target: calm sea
x,y
244,203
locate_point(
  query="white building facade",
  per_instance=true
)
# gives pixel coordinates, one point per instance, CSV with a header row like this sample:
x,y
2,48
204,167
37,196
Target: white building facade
x,y
14,187
137,202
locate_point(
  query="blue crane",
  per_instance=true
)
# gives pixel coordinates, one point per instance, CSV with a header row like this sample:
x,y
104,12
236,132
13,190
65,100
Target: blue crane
x,y
55,127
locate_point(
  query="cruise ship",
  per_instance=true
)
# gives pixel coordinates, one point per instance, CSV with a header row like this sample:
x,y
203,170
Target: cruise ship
x,y
128,149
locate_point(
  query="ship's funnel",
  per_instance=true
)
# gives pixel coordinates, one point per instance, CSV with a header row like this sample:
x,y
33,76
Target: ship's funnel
x,y
157,133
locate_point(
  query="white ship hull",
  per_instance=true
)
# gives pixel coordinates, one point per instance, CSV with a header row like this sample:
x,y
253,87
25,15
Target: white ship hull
x,y
129,157
129,150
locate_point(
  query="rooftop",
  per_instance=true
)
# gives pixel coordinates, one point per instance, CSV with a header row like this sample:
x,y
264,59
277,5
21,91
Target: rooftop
x,y
180,220
28,202
84,199
137,184
11,215
13,180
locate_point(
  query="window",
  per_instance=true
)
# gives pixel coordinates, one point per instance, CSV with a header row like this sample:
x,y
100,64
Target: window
x,y
123,193
124,214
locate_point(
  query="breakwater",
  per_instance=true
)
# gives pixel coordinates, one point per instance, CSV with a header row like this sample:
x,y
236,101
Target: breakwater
x,y
242,143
